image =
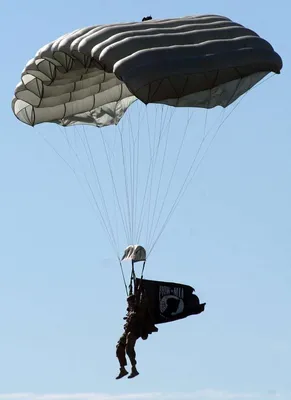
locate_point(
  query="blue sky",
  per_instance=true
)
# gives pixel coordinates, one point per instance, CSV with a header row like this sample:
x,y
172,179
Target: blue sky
x,y
61,295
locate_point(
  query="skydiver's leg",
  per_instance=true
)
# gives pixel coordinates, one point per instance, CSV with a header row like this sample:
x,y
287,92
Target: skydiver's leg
x,y
120,354
130,351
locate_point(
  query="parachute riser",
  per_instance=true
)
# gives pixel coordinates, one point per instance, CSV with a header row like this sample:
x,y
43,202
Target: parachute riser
x,y
135,253
132,278
132,283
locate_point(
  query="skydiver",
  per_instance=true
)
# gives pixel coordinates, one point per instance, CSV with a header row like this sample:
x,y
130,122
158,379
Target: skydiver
x,y
138,324
148,18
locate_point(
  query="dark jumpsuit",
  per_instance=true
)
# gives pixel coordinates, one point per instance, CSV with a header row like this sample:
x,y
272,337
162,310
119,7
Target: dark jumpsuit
x,y
138,324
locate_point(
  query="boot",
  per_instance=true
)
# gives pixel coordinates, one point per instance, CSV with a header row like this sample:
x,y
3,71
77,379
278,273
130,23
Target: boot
x,y
122,373
134,372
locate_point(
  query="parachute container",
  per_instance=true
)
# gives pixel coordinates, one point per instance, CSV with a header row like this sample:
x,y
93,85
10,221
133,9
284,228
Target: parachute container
x,y
135,253
92,75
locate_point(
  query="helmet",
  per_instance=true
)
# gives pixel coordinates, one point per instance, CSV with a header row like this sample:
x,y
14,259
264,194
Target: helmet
x,y
131,298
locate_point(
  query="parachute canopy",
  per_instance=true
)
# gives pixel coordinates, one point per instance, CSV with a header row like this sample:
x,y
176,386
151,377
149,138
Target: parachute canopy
x,y
92,75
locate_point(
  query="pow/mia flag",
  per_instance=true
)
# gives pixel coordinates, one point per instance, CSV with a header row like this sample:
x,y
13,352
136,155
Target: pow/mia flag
x,y
169,301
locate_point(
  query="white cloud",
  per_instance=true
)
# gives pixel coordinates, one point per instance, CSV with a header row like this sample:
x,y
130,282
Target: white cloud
x,y
207,394
15,396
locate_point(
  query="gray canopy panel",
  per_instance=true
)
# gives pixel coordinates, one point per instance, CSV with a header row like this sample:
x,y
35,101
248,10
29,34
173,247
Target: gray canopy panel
x,y
92,75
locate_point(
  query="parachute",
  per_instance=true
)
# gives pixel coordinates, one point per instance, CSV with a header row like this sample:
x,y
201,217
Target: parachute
x,y
93,75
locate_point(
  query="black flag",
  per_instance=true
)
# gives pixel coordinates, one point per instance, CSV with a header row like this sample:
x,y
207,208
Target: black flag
x,y
169,301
